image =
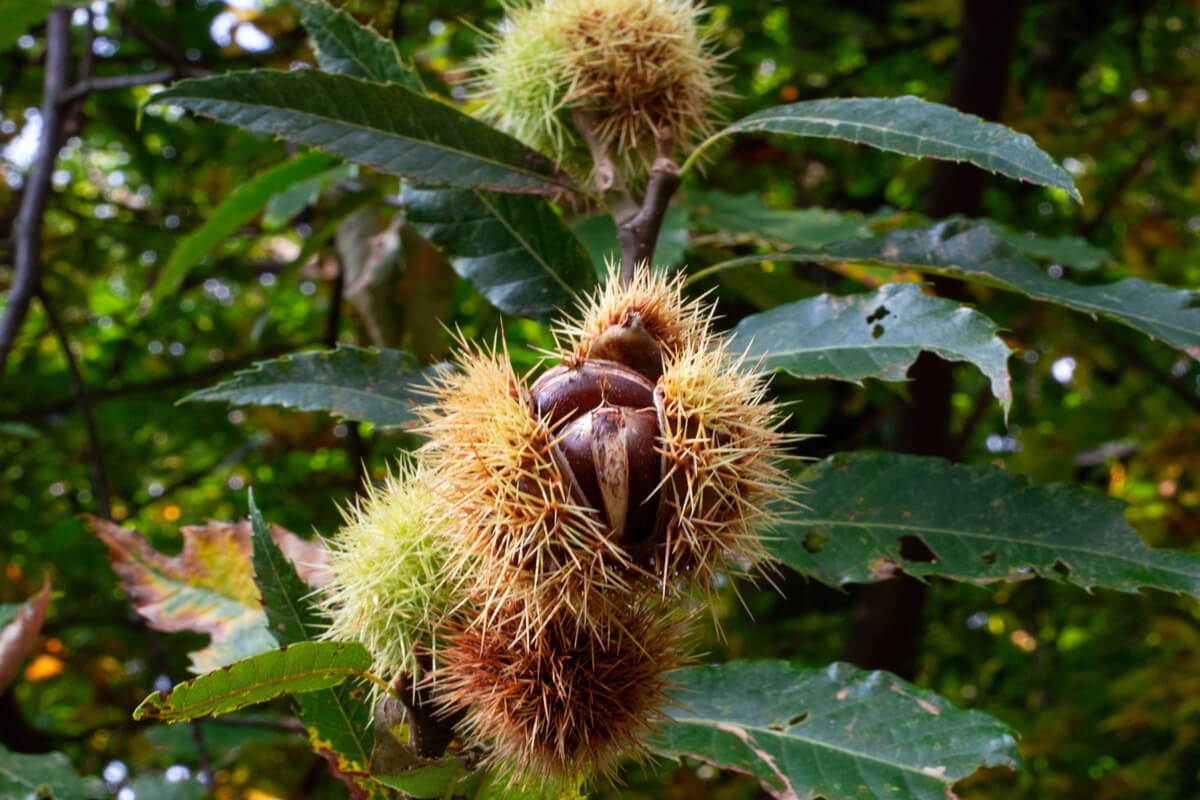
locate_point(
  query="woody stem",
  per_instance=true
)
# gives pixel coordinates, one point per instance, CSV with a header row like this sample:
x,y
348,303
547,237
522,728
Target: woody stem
x,y
638,234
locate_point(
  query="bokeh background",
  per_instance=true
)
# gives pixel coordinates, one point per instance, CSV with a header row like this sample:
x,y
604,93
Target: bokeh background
x,y
1105,688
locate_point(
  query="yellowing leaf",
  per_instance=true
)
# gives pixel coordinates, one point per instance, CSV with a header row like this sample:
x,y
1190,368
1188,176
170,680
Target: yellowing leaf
x,y
208,588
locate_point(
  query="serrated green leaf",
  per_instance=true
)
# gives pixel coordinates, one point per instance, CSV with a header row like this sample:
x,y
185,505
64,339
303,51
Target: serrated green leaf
x,y
513,248
426,780
377,386
970,251
913,127
982,523
338,723
837,733
335,719
292,669
390,128
345,46
747,215
291,201
290,618
874,335
235,211
42,776
1069,251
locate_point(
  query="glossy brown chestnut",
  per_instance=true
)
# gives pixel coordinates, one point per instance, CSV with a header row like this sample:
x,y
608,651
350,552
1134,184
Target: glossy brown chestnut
x,y
564,391
606,429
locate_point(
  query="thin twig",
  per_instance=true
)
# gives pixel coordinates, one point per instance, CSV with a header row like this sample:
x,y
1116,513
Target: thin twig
x,y
74,107
231,459
979,409
1128,178
164,50
83,402
206,771
639,234
356,446
116,83
1136,359
170,381
28,261
285,725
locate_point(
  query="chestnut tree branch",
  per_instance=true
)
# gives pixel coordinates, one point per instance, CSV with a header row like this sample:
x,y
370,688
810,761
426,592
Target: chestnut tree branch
x,y
28,240
638,234
83,402
116,83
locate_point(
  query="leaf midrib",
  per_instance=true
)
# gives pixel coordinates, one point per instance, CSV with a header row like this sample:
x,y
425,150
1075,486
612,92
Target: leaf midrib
x,y
831,122
521,240
466,154
710,724
347,672
773,354
227,394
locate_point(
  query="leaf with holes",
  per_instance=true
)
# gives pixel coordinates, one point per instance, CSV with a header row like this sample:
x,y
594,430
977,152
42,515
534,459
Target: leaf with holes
x,y
388,127
970,251
233,212
874,335
208,588
513,248
913,127
834,733
981,522
379,386
345,46
292,669
19,633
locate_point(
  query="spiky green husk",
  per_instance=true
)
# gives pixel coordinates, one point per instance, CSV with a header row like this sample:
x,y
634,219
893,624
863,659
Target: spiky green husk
x,y
568,706
636,67
389,586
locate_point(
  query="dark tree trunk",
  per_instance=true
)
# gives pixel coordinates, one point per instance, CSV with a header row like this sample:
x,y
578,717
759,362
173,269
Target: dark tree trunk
x,y
887,619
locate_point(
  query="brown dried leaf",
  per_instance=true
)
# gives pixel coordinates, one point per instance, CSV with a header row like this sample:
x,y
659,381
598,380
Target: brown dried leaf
x,y
208,588
16,640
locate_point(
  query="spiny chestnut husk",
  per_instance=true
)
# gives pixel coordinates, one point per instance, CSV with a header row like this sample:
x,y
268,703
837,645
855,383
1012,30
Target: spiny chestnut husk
x,y
521,531
387,585
568,706
634,68
610,476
